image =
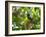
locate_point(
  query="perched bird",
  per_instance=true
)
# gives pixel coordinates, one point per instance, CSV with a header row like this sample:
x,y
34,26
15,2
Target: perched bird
x,y
29,23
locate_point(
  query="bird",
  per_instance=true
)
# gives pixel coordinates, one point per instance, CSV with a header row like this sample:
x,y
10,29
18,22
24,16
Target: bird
x,y
29,24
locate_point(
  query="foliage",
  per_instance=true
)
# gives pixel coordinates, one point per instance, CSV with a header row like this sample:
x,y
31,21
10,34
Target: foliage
x,y
25,18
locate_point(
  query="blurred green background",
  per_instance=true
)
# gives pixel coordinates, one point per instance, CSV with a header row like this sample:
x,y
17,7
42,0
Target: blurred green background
x,y
25,18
